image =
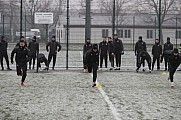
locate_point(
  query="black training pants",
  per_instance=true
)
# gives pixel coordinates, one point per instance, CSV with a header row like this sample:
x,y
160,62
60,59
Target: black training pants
x,y
50,58
166,59
158,62
172,71
111,59
118,59
93,67
103,57
21,69
4,55
43,60
142,62
137,61
32,57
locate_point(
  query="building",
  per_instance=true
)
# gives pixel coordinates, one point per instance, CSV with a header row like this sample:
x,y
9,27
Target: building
x,y
132,26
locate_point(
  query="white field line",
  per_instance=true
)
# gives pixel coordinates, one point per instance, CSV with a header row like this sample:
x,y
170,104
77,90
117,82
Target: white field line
x,y
106,98
108,101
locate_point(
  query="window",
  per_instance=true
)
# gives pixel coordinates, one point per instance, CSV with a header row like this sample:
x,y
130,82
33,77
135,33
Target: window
x,y
120,33
149,33
105,33
127,33
61,34
178,34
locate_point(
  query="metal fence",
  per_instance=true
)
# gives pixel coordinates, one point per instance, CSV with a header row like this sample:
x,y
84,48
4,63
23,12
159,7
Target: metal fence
x,y
72,24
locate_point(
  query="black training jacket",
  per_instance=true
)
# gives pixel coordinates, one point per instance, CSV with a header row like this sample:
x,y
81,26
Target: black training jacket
x,y
156,50
111,48
3,46
139,47
22,55
53,47
87,46
91,57
33,46
175,61
103,48
118,46
168,46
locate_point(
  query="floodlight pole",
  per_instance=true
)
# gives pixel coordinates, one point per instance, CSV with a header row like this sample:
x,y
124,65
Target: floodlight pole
x,y
3,24
88,20
159,22
25,23
67,34
133,33
113,18
21,17
176,30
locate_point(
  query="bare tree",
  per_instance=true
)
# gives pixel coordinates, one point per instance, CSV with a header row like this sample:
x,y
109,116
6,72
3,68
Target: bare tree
x,y
82,4
33,6
106,7
151,7
81,7
178,10
9,8
58,9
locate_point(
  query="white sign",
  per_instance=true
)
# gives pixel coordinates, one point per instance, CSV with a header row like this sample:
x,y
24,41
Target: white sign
x,y
43,18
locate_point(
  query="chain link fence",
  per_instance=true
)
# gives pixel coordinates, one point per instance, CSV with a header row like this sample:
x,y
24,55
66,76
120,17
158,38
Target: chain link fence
x,y
128,26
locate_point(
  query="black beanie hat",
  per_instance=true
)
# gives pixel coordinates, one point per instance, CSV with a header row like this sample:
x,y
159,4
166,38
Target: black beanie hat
x,y
175,50
95,46
140,37
34,37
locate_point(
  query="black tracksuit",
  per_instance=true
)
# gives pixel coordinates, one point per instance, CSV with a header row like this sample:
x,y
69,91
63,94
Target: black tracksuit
x,y
174,61
3,53
53,47
41,58
34,49
111,51
87,47
156,52
167,47
103,50
142,57
139,47
22,57
119,50
91,60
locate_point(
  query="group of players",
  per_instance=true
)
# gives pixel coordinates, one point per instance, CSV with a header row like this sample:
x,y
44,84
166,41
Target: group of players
x,y
114,49
91,55
28,53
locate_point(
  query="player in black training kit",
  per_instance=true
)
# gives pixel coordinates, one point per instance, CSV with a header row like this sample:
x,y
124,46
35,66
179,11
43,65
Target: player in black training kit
x,y
91,60
33,46
4,53
53,47
174,62
22,57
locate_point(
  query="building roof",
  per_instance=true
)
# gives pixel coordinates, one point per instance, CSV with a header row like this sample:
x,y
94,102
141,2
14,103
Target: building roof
x,y
127,20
